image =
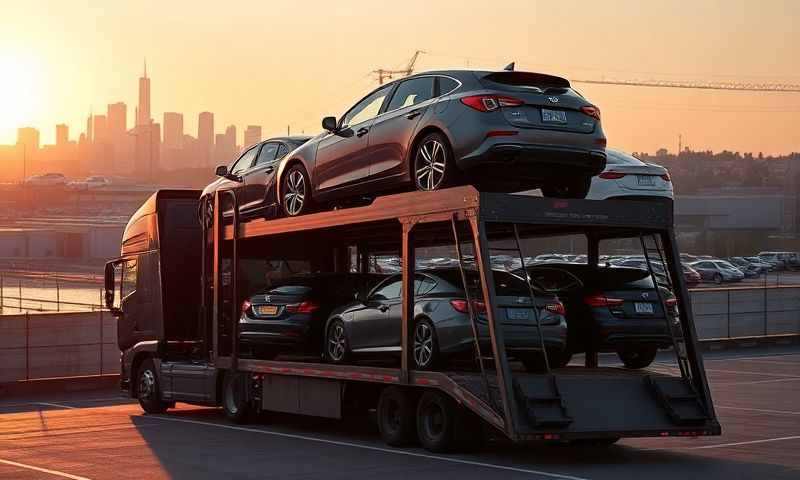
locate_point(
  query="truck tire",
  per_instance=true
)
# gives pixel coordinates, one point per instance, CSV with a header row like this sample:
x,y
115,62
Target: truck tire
x,y
397,416
148,388
235,400
436,422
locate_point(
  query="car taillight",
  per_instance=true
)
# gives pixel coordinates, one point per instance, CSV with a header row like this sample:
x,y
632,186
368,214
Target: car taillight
x,y
666,177
305,307
600,300
246,306
488,103
592,111
557,308
611,175
460,306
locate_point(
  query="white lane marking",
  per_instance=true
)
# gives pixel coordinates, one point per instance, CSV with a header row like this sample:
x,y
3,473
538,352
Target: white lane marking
x,y
369,447
750,442
59,405
763,374
749,357
754,382
759,410
43,470
771,362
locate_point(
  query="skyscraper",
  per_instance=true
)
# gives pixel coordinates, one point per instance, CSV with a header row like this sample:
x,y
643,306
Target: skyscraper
x,y
29,137
117,120
100,128
62,134
173,130
205,138
143,113
252,135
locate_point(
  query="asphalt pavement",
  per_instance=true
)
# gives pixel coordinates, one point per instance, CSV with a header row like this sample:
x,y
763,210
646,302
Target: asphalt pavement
x,y
102,435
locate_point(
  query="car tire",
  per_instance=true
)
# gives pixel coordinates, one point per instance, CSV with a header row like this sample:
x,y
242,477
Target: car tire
x,y
637,358
717,278
425,345
148,389
433,165
436,422
397,416
337,349
234,397
296,191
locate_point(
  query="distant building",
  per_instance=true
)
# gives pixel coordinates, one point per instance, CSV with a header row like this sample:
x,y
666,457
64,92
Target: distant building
x,y
205,139
62,134
117,120
173,130
146,147
100,128
143,111
29,137
252,135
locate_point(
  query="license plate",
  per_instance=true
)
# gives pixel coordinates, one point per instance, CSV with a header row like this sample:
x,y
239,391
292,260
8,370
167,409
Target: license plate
x,y
266,309
644,308
554,116
646,180
517,313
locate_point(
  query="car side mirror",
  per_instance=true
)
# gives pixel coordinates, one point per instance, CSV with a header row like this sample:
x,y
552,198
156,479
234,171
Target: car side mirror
x,y
329,124
221,171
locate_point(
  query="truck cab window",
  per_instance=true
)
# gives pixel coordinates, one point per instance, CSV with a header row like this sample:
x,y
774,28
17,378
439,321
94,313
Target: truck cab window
x,y
128,281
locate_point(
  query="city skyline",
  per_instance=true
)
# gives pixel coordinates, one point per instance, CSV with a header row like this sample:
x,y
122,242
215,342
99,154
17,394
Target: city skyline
x,y
248,73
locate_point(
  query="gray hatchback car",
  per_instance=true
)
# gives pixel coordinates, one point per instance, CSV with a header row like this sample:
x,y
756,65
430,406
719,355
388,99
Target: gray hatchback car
x,y
507,131
442,327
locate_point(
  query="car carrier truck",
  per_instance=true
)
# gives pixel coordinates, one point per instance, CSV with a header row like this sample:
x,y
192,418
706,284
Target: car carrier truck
x,y
177,288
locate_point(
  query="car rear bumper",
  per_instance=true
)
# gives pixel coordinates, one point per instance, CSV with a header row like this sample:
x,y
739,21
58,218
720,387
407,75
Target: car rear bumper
x,y
612,335
287,333
533,161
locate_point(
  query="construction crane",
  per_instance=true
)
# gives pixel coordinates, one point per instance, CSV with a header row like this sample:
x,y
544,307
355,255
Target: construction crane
x,y
736,86
386,74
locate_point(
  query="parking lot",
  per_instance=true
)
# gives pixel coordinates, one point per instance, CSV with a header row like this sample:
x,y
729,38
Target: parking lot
x,y
101,435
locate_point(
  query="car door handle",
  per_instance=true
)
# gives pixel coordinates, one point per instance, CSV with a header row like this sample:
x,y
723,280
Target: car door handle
x,y
413,114
362,131
383,308
269,169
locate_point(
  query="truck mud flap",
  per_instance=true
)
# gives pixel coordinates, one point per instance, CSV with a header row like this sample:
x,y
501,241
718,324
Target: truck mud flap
x,y
679,399
541,402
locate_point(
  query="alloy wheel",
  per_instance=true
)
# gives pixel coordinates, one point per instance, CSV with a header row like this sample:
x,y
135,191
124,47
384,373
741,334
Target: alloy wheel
x,y
337,344
295,195
147,385
423,344
430,165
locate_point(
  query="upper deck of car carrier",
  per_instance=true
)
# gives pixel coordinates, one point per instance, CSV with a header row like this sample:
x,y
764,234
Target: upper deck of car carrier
x,y
566,403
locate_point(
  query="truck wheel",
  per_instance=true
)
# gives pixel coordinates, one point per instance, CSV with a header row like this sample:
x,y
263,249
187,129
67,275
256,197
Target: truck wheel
x,y
148,389
397,416
638,358
235,399
436,421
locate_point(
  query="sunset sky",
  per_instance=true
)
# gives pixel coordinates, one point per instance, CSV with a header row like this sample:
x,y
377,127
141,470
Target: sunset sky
x,y
274,63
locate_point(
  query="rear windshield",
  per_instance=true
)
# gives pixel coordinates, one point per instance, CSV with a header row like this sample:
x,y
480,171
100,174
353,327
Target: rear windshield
x,y
290,290
605,278
524,81
505,284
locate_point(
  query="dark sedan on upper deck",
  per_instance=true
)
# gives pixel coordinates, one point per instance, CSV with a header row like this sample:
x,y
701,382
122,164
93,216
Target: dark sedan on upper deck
x,y
252,176
507,131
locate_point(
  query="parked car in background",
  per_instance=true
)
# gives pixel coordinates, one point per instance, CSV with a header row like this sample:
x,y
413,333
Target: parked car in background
x,y
717,271
89,183
610,309
290,316
750,269
252,177
765,265
625,176
46,180
505,130
690,275
782,260
442,327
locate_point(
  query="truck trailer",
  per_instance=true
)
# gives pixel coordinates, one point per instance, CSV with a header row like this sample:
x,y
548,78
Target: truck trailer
x,y
178,287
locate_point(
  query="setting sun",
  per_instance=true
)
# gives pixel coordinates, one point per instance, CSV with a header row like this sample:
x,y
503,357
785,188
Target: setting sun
x,y
20,91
